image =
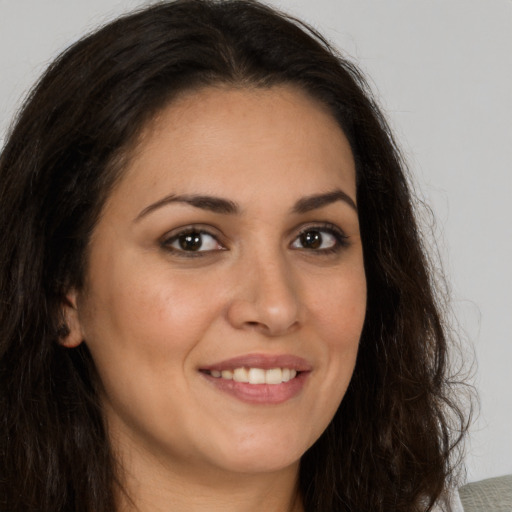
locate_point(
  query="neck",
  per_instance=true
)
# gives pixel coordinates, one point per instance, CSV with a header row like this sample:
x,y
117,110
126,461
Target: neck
x,y
152,486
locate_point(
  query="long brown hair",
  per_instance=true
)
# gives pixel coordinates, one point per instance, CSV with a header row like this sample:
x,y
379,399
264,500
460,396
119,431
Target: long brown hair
x,y
390,445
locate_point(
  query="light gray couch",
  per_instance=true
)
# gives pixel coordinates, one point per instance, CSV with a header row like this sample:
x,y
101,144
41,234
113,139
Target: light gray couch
x,y
491,495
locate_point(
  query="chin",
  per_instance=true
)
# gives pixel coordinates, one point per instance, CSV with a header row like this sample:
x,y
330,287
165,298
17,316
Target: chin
x,y
262,455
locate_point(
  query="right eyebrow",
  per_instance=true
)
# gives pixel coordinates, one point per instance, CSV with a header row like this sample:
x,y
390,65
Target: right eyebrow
x,y
210,203
317,201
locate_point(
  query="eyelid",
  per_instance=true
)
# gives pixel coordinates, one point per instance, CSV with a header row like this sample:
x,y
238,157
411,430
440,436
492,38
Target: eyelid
x,y
342,239
171,236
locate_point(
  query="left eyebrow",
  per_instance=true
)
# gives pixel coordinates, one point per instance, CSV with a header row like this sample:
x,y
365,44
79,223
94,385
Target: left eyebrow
x,y
306,204
210,203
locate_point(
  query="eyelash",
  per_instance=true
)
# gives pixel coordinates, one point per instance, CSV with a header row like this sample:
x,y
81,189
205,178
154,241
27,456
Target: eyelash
x,y
340,239
199,230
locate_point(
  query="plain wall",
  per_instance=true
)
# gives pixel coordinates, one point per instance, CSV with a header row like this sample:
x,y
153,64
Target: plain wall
x,y
442,70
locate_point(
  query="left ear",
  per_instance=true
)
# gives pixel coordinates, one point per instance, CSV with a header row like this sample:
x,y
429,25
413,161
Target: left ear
x,y
70,335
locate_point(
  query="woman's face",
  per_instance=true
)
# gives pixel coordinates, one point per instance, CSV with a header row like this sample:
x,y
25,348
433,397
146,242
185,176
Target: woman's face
x,y
225,292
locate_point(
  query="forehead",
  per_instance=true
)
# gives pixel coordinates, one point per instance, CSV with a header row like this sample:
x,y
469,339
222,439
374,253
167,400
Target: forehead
x,y
225,141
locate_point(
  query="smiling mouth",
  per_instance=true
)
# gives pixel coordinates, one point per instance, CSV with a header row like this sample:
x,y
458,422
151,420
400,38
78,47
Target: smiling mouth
x,y
255,375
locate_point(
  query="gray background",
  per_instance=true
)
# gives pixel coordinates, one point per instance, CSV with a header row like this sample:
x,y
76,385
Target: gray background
x,y
442,70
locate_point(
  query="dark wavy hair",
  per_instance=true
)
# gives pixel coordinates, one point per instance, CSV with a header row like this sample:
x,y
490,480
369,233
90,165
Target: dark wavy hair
x,y
392,442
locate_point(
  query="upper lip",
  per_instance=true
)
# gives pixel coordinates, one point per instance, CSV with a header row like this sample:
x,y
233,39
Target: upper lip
x,y
263,361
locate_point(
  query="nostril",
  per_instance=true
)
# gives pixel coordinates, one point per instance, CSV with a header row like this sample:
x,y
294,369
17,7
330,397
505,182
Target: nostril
x,y
259,315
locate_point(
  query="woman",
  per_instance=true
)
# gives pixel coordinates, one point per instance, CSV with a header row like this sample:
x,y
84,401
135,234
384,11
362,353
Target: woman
x,y
214,293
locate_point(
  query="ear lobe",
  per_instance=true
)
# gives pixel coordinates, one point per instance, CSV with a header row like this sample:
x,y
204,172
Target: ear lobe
x,y
70,334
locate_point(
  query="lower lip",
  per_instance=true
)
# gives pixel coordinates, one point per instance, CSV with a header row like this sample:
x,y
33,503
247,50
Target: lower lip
x,y
260,393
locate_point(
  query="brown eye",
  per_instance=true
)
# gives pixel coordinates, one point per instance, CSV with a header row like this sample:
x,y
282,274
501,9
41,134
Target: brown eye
x,y
311,239
321,239
190,241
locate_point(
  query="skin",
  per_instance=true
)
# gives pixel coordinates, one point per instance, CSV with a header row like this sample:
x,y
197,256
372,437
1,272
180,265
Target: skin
x,y
153,316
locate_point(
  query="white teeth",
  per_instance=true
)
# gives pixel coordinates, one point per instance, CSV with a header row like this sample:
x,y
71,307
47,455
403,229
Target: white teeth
x,y
256,375
241,375
275,375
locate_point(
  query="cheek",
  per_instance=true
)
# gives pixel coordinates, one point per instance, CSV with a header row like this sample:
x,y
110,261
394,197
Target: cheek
x,y
340,308
141,326
147,313
339,318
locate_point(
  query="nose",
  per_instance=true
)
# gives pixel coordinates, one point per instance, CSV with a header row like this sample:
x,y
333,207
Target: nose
x,y
265,298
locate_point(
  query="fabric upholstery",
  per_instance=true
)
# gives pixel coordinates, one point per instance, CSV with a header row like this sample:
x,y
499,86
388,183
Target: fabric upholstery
x,y
491,495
